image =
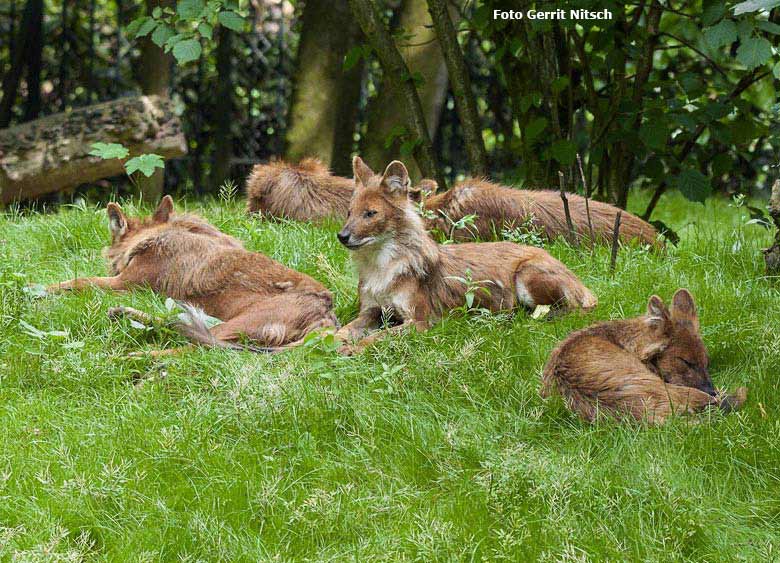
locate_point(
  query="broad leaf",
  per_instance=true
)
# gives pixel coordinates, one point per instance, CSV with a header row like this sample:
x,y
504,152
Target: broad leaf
x,y
769,27
694,185
190,9
187,50
534,129
725,33
654,133
754,52
145,164
713,11
754,6
205,30
352,57
107,151
146,28
161,34
564,151
133,27
231,20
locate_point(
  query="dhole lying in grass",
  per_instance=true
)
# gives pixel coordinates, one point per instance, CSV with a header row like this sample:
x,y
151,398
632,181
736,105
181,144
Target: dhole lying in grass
x,y
308,191
304,192
498,207
183,257
646,368
403,270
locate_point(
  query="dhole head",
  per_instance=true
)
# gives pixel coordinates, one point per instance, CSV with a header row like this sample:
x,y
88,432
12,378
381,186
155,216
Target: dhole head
x,y
123,229
679,353
378,205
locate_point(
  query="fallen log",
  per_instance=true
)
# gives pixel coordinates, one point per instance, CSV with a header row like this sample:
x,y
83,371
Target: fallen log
x,y
772,254
52,154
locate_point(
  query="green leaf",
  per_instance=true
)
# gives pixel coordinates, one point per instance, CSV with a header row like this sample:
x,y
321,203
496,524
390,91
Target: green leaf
x,y
776,70
653,133
713,11
231,20
769,27
534,129
145,164
206,30
146,28
694,185
407,147
162,34
107,151
754,52
352,57
563,151
187,50
745,29
754,6
157,12
560,84
190,9
133,27
725,33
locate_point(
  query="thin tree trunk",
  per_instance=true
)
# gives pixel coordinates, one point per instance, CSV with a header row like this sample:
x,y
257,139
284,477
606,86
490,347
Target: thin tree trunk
x,y
465,102
223,139
395,68
34,54
154,77
323,113
423,57
14,76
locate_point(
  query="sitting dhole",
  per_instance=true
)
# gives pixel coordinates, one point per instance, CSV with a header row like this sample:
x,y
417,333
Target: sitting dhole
x,y
186,258
303,192
646,368
401,269
498,207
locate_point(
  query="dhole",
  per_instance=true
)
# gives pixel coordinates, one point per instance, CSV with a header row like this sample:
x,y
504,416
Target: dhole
x,y
183,257
304,192
498,207
646,368
403,270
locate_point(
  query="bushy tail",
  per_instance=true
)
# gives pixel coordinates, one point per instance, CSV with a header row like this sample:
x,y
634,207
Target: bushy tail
x,y
642,397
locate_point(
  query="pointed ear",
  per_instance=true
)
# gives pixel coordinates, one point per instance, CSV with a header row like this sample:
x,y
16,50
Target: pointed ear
x,y
684,309
396,178
424,189
117,222
361,171
657,313
164,210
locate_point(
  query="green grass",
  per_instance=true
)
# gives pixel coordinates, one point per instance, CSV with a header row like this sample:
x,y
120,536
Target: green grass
x,y
219,456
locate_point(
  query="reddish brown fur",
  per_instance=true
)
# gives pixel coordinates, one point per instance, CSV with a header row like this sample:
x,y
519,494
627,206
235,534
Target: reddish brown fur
x,y
401,268
497,207
183,257
304,192
646,368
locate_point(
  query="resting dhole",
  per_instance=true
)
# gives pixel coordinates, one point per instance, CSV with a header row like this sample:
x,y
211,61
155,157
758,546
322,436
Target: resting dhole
x,y
183,257
304,192
646,368
498,207
403,270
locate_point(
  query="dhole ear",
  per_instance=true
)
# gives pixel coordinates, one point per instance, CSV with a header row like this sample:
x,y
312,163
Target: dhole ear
x,y
117,222
396,177
164,210
684,309
361,171
425,188
657,313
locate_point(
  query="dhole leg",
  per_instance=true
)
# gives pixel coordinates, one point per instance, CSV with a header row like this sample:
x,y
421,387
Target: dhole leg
x,y
115,283
551,283
367,321
362,344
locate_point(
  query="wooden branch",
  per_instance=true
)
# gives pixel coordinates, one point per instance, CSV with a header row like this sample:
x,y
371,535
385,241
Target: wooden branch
x,y
52,154
772,254
572,232
615,241
587,197
465,103
395,68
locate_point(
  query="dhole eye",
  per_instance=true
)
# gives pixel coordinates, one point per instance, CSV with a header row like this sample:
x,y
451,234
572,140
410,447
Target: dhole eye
x,y
368,214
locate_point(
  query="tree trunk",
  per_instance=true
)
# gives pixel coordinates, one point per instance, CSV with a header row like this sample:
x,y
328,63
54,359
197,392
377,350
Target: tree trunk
x,y
772,254
154,77
424,56
52,153
465,102
325,96
34,54
223,138
14,75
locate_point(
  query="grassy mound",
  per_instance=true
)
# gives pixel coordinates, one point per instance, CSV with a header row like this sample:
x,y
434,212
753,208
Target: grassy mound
x,y
428,446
